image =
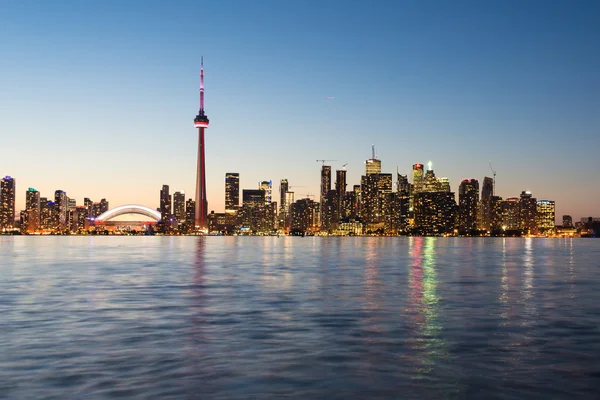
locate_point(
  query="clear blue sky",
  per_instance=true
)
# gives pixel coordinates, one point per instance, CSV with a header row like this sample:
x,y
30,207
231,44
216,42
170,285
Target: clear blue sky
x,y
98,98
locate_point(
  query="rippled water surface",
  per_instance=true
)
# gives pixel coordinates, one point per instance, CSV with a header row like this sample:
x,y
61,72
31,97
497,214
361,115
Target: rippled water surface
x,y
310,318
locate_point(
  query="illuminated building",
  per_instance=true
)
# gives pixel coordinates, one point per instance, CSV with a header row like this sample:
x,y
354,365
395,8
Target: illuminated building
x,y
179,207
7,203
201,123
190,214
284,207
32,206
253,196
545,210
376,200
304,216
87,203
528,213
340,192
165,205
328,211
103,206
511,220
435,213
232,192
417,177
221,222
487,191
325,188
497,207
444,185
61,210
373,165
267,187
468,196
567,221
45,213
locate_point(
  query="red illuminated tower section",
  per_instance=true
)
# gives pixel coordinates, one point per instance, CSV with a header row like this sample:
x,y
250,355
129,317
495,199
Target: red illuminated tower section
x,y
201,122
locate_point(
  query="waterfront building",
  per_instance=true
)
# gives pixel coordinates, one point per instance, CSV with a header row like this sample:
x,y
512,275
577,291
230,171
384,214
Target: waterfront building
x,y
232,192
567,221
497,208
487,191
33,208
528,213
190,214
61,210
468,196
165,206
325,188
511,219
545,212
304,216
7,203
179,208
103,206
340,193
435,213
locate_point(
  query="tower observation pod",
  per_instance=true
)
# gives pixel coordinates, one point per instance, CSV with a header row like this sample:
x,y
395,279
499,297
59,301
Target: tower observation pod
x,y
201,123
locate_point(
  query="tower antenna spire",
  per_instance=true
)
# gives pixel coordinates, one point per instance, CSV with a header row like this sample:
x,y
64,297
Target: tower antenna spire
x,y
373,150
202,83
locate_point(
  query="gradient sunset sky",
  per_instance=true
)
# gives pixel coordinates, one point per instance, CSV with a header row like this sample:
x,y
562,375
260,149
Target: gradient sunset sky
x,y
98,98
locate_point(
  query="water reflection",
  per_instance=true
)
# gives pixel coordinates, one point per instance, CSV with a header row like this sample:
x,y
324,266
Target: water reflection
x,y
425,302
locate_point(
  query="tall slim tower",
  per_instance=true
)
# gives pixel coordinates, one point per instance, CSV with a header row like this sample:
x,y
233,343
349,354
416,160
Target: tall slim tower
x,y
201,123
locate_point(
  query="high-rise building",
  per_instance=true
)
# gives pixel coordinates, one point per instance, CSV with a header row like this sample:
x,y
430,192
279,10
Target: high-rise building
x,y
7,203
232,192
528,213
61,210
325,188
190,216
468,195
487,191
497,207
165,205
179,207
201,123
511,218
546,211
32,206
45,213
435,212
340,192
417,177
303,216
103,206
567,221
267,187
373,165
87,203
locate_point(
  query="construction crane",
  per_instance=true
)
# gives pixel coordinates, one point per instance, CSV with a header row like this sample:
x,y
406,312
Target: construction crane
x,y
324,161
493,172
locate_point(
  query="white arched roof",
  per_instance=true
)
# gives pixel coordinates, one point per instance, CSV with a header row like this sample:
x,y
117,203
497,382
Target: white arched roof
x,y
129,209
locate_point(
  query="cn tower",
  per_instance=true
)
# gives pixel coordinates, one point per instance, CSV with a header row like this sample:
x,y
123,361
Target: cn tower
x,y
201,122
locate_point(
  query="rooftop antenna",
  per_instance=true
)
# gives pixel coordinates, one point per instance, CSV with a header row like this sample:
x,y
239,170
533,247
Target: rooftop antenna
x,y
373,150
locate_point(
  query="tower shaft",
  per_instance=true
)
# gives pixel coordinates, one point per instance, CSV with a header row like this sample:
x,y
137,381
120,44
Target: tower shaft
x,y
201,200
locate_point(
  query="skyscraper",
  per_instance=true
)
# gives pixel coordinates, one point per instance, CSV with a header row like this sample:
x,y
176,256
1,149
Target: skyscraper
x,y
190,216
201,123
468,194
179,207
325,188
567,221
487,191
61,210
545,210
32,206
232,192
340,191
267,187
528,213
373,165
165,205
417,177
7,203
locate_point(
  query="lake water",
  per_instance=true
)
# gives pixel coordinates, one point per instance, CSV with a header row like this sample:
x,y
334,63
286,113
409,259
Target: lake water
x,y
308,318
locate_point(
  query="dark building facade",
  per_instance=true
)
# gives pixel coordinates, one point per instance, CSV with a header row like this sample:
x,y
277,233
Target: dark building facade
x,y
7,203
232,192
435,213
468,195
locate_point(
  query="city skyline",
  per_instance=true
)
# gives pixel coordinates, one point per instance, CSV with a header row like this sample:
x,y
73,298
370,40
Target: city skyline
x,y
536,126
